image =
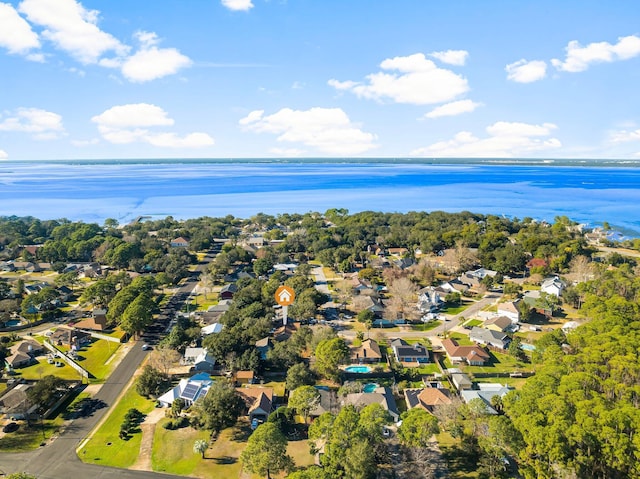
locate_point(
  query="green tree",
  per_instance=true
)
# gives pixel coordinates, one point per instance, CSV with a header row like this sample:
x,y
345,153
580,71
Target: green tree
x,y
266,451
200,446
45,390
21,475
417,428
329,354
138,315
219,409
299,375
151,382
304,399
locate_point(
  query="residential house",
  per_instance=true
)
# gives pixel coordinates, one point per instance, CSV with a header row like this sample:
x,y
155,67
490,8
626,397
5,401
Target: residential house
x,y
29,346
72,338
64,293
461,381
367,352
285,267
381,395
189,390
430,300
409,353
213,328
18,360
180,242
328,403
397,251
284,332
510,310
263,346
499,324
485,392
472,355
454,286
258,402
490,338
532,300
199,358
36,287
372,304
427,398
15,402
553,286
228,290
244,377
97,321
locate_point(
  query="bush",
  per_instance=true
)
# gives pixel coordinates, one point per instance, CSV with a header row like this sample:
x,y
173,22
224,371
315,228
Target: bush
x,y
176,423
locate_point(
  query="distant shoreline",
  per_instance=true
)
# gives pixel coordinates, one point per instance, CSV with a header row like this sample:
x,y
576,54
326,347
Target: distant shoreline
x,y
577,162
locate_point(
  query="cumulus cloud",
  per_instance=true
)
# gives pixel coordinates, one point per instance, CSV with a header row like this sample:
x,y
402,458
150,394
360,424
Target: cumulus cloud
x,y
41,124
151,62
131,123
504,140
624,136
454,108
414,79
3,155
452,57
16,34
329,130
241,5
579,58
524,71
72,28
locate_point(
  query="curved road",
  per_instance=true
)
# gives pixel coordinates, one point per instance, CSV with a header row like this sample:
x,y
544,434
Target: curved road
x,y
58,459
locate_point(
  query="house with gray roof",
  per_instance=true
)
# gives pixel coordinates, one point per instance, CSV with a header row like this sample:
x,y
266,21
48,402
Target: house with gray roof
x,y
485,392
381,395
489,337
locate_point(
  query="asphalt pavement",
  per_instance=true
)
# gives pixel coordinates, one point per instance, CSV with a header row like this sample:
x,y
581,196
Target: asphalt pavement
x,y
58,459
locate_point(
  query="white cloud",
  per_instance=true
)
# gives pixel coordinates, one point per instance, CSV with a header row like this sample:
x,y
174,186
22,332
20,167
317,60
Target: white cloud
x,y
83,143
420,82
72,28
579,58
452,57
242,5
3,155
624,136
505,140
329,130
130,123
454,108
41,124
133,115
15,32
151,62
524,71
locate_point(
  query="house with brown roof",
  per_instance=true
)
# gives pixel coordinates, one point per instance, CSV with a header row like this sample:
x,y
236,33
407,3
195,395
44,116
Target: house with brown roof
x,y
367,352
71,338
18,360
97,321
180,242
472,355
498,323
427,398
29,346
244,377
258,401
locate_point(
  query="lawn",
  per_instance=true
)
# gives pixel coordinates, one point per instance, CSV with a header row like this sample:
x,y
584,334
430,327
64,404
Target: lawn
x,y
458,464
426,326
105,447
29,437
473,322
462,339
43,368
173,450
95,358
451,309
499,364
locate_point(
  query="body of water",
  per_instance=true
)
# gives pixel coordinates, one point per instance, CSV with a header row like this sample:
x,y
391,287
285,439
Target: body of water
x,y
91,191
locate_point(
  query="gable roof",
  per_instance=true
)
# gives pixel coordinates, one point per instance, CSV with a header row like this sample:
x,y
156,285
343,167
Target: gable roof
x,y
369,349
470,353
427,398
501,322
381,395
488,336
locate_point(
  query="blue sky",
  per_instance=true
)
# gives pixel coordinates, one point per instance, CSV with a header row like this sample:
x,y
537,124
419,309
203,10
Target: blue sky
x,y
319,78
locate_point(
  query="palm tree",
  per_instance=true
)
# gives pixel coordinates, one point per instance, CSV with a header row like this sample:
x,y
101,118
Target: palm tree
x,y
200,446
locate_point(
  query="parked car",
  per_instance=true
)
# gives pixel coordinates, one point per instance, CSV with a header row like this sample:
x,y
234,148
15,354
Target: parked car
x,y
11,427
145,347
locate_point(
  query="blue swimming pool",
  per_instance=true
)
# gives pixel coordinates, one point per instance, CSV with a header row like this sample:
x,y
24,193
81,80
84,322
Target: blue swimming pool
x,y
358,369
370,387
527,347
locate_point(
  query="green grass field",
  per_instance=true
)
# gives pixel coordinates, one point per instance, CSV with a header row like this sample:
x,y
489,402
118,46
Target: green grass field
x,y
105,447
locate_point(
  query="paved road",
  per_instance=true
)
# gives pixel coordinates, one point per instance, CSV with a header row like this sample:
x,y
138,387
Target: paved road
x,y
58,460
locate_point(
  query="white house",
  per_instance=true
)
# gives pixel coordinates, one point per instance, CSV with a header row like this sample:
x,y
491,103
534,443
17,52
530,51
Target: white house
x,y
510,310
189,390
553,286
199,358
